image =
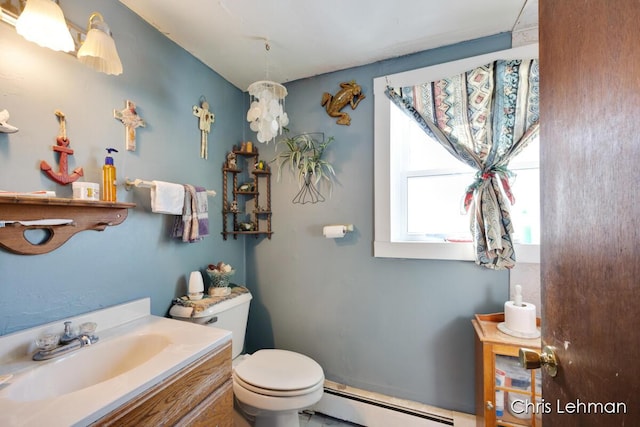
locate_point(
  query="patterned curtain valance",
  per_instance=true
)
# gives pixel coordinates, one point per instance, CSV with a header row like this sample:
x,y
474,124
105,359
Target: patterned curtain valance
x,y
483,117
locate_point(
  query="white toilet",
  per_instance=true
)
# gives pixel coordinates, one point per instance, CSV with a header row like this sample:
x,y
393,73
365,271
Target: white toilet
x,y
270,386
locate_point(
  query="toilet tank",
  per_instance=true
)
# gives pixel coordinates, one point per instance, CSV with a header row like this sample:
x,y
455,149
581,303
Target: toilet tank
x,y
231,314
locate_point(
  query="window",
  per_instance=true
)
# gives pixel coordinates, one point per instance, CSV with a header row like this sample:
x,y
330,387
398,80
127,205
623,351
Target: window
x,y
429,175
414,173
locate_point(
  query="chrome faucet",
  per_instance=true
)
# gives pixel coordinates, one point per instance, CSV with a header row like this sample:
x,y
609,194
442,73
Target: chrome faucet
x,y
68,334
69,341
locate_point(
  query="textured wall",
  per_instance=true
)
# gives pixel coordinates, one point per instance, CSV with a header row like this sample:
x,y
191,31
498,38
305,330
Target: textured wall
x,y
135,259
399,327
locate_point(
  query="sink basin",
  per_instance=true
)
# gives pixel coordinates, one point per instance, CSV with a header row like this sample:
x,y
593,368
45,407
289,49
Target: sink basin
x,y
136,351
86,367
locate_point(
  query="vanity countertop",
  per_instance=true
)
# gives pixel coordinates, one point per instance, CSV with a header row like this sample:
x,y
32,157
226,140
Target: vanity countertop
x,y
183,343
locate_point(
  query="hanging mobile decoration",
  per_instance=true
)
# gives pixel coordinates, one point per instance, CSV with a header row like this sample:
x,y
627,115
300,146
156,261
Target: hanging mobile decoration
x,y
62,147
206,119
266,113
130,119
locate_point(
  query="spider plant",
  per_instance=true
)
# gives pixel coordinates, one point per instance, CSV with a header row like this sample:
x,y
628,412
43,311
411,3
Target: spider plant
x,y
304,154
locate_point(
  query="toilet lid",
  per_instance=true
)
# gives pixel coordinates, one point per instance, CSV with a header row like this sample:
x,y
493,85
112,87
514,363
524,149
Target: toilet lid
x,y
279,370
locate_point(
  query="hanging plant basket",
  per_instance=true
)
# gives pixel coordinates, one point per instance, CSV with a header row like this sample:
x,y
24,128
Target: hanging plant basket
x,y
308,192
303,153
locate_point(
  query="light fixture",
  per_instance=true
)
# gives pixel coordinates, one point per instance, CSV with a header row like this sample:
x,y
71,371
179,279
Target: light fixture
x,y
266,110
42,22
8,13
99,50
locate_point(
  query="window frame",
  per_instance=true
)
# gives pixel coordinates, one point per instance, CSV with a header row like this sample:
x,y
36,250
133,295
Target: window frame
x,y
383,245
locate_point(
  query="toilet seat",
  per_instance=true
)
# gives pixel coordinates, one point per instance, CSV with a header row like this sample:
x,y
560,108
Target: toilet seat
x,y
279,373
276,393
272,405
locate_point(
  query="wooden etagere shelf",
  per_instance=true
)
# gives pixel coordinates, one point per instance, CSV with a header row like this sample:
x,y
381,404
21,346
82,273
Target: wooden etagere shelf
x,y
246,185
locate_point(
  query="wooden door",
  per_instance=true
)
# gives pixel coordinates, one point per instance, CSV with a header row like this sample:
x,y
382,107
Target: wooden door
x,y
590,179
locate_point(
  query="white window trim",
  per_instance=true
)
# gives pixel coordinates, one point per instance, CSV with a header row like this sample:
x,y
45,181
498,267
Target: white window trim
x,y
383,246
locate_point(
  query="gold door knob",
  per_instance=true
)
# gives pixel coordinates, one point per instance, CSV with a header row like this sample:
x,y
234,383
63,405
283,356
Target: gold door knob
x,y
531,359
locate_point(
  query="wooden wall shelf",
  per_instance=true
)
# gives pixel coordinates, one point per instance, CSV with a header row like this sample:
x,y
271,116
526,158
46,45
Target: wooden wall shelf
x,y
83,215
257,215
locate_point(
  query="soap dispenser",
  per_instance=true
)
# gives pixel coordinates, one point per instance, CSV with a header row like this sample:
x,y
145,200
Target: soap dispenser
x,y
109,178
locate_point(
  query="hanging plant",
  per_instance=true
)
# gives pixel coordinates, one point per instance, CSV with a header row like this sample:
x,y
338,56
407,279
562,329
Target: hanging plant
x,y
303,153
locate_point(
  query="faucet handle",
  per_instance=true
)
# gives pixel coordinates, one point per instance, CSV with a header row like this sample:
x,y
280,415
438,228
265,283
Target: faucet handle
x,y
88,328
47,341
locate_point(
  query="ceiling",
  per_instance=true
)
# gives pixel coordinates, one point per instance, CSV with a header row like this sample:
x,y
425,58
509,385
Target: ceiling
x,y
308,38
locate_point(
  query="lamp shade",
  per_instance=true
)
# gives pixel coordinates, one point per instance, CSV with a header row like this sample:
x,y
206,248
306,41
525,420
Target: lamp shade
x,y
42,22
99,49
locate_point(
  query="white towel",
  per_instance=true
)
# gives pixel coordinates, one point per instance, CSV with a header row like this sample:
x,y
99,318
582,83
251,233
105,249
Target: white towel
x,y
167,198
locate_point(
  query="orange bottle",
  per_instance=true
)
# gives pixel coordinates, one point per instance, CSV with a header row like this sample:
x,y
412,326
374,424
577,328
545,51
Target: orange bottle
x,y
108,178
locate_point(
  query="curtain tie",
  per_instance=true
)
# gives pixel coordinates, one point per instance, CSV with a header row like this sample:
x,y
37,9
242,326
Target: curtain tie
x,y
503,175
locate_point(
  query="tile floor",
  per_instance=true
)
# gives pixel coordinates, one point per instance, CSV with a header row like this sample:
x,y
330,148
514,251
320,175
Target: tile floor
x,y
311,419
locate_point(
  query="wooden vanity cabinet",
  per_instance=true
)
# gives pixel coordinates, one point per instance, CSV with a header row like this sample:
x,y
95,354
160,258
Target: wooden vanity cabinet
x,y
517,390
201,394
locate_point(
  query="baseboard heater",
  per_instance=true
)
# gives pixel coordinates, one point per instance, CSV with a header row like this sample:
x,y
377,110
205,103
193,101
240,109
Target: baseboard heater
x,y
380,404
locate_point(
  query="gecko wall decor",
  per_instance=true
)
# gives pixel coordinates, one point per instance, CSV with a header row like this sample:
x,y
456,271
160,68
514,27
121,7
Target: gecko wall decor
x,y
349,94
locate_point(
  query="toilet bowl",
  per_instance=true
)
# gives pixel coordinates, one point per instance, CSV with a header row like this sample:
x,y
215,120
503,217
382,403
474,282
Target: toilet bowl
x,y
270,386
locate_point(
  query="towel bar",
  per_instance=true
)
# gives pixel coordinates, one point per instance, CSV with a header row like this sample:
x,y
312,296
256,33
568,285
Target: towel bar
x,y
148,184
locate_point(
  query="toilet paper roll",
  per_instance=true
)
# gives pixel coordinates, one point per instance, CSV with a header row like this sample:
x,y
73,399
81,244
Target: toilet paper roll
x,y
520,319
334,231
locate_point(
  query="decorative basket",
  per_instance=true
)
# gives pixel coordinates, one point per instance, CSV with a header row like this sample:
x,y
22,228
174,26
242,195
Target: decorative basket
x,y
220,279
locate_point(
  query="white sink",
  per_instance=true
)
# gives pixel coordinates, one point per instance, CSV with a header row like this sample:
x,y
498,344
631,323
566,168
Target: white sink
x,y
86,366
134,352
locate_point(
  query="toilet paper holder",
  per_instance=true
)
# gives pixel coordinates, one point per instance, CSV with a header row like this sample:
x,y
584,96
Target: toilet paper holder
x,y
336,231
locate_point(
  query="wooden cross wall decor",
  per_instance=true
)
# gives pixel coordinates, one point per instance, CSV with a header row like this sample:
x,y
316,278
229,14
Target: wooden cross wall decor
x,y
206,118
130,119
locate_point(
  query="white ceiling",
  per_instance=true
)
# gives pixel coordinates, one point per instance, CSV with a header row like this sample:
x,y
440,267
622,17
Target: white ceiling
x,y
308,38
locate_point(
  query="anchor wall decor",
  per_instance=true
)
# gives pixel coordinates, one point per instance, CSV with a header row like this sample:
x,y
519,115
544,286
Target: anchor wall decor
x,y
62,147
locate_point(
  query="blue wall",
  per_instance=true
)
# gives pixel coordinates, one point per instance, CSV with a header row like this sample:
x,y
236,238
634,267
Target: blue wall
x,y
135,259
400,327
